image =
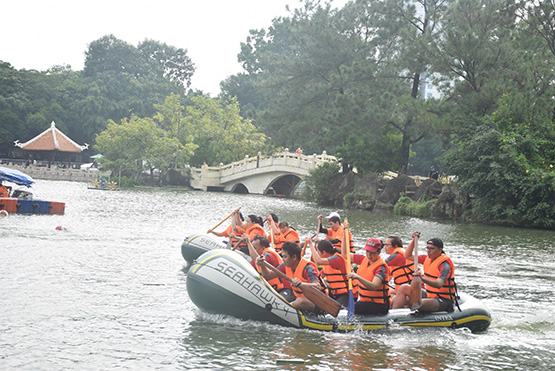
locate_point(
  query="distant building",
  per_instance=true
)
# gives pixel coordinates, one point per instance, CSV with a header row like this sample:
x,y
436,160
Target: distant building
x,y
52,145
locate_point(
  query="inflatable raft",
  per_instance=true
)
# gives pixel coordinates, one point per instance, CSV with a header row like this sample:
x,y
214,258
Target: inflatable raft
x,y
197,244
223,282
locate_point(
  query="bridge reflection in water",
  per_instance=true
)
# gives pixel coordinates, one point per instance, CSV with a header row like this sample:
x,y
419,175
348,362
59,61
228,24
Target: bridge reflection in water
x,y
278,174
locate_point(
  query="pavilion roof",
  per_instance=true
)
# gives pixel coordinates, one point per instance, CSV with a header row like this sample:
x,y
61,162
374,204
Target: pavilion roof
x,y
52,139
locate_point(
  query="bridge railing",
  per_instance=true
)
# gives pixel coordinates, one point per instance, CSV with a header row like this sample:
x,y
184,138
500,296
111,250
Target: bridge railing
x,y
212,176
307,162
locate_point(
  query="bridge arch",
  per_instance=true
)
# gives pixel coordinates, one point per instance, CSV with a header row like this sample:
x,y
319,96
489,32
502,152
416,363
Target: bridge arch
x,y
283,185
240,188
279,173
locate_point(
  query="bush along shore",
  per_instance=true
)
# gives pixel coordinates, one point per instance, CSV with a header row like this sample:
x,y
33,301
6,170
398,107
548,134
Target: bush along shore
x,y
405,195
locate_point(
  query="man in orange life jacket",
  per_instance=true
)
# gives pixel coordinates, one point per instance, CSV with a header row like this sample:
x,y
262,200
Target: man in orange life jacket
x,y
334,270
334,233
438,279
370,280
260,247
302,271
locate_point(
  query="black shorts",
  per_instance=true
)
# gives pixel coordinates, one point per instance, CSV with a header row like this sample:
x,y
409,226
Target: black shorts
x,y
445,305
362,307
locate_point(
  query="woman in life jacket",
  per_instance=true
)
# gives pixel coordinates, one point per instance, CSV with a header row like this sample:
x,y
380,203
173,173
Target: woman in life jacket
x,y
401,268
234,231
284,233
302,272
370,280
333,270
253,226
440,290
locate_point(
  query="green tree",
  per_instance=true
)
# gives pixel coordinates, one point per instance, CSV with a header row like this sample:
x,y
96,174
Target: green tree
x,y
220,132
138,143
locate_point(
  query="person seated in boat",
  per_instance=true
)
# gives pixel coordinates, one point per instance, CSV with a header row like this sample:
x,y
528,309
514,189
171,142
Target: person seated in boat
x,y
440,291
370,280
334,232
334,269
260,247
301,270
282,233
234,231
400,267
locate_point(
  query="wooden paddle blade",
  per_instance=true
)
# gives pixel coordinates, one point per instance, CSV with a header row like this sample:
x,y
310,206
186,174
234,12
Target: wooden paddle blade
x,y
321,300
416,293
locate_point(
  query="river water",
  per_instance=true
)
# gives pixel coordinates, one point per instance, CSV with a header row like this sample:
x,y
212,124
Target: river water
x,y
108,291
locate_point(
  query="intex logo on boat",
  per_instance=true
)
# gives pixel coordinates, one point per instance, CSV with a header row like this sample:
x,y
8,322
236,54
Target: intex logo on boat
x,y
252,286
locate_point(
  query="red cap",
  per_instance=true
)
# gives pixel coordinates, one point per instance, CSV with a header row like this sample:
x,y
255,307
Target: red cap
x,y
373,245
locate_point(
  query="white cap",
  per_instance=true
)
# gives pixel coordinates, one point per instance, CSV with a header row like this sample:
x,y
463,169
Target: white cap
x,y
332,214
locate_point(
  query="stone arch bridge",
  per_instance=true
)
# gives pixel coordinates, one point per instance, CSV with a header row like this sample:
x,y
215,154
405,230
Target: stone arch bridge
x,y
278,174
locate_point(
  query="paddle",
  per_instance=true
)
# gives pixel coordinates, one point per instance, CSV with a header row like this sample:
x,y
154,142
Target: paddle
x,y
223,220
347,247
321,300
416,284
272,236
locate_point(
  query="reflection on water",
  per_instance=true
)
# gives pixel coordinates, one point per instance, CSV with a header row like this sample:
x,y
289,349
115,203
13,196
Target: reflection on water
x,y
109,292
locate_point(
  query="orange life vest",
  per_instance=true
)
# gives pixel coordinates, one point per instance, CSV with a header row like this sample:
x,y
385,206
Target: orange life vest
x,y
275,282
432,271
255,230
367,271
403,273
290,235
299,275
234,235
337,281
338,235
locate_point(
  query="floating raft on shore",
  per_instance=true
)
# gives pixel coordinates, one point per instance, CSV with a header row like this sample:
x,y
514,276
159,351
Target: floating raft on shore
x,y
223,282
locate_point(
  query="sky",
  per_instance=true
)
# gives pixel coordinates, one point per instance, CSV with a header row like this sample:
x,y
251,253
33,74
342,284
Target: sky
x,y
38,34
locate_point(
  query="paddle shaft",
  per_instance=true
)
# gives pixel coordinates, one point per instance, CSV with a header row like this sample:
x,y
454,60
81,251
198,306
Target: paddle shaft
x,y
348,269
312,293
221,221
277,271
348,253
416,284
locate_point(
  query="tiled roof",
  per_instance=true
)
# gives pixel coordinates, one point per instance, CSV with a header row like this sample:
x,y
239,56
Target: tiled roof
x,y
52,139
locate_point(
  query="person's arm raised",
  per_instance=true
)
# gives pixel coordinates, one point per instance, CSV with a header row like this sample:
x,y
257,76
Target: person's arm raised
x,y
410,247
315,255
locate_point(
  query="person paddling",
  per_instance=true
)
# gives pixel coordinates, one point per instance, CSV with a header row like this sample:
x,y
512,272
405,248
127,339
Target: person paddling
x,y
253,226
371,279
401,268
334,232
438,279
334,272
300,270
234,231
282,233
260,247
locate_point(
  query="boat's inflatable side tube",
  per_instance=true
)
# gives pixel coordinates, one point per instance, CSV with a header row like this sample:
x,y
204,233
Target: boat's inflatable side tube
x,y
197,244
223,282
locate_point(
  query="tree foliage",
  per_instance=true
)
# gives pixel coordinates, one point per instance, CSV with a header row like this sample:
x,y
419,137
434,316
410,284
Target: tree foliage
x,y
219,131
